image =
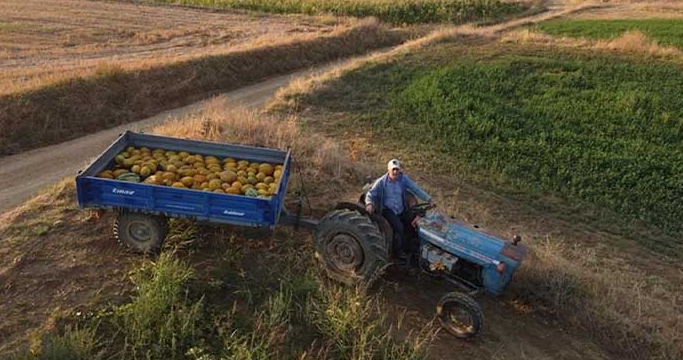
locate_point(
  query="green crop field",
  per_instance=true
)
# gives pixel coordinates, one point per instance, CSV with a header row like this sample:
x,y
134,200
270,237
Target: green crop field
x,y
667,32
395,12
587,127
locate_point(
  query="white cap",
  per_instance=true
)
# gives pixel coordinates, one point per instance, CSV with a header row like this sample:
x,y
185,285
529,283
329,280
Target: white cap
x,y
393,163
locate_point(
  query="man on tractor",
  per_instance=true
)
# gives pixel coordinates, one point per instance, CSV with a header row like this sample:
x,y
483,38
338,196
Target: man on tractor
x,y
388,196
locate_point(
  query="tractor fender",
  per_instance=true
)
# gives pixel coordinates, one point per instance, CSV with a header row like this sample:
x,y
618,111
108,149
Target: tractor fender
x,y
378,219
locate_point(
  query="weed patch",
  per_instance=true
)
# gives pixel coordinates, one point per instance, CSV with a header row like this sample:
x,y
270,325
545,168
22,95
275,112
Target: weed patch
x,y
395,12
161,321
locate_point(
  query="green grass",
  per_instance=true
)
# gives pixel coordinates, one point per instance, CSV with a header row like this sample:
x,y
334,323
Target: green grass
x,y
162,321
71,344
395,12
668,32
592,128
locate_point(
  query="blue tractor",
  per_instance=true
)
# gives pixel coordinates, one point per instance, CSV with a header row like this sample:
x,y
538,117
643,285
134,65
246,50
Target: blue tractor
x,y
355,245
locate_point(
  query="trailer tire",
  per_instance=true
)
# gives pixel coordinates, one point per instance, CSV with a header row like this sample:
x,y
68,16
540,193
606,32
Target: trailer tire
x,y
460,315
349,245
141,233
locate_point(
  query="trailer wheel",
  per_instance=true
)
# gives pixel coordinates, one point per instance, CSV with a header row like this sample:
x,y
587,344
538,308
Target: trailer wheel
x,y
460,315
348,243
141,232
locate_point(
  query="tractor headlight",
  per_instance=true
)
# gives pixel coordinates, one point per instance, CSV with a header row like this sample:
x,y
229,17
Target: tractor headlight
x,y
501,268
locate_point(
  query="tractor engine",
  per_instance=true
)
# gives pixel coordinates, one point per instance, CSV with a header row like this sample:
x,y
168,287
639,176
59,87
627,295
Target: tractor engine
x,y
436,259
439,263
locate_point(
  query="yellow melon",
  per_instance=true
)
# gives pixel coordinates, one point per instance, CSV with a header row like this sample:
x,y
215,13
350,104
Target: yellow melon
x,y
187,180
107,174
168,175
145,170
266,169
228,176
214,184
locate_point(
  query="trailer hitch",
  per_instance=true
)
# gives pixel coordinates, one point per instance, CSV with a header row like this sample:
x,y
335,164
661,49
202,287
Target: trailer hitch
x,y
295,219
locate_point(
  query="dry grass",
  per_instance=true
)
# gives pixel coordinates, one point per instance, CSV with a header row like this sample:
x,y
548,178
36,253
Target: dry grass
x,y
319,158
633,312
636,9
113,95
630,42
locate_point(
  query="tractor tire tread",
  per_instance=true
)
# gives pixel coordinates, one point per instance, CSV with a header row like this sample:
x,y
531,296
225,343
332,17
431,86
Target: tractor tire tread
x,y
365,232
160,222
469,303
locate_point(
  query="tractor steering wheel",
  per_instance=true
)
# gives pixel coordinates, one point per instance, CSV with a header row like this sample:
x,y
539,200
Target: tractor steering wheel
x,y
421,209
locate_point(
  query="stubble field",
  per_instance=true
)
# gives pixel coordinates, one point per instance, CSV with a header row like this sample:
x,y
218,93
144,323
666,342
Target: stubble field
x,y
42,43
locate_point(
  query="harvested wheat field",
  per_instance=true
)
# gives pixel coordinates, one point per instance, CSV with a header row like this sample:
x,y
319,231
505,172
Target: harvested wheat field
x,y
47,41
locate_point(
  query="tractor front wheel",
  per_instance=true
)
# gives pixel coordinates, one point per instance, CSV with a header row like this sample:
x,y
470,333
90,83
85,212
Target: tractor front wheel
x,y
460,315
141,232
346,243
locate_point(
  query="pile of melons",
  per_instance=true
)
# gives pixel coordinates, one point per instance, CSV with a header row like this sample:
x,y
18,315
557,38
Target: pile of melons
x,y
195,171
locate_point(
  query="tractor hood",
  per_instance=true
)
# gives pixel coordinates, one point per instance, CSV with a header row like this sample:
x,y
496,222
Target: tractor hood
x,y
475,245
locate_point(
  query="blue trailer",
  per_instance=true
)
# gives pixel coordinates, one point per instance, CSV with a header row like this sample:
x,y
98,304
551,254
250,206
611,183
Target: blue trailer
x,y
144,207
352,244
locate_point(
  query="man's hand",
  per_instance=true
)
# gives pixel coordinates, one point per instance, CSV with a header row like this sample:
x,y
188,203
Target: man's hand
x,y
432,202
369,208
415,220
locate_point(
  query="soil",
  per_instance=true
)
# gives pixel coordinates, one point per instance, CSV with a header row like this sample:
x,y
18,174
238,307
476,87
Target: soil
x,y
512,330
70,267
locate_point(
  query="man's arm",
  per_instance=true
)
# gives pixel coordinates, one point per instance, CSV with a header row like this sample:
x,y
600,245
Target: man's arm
x,y
416,189
372,195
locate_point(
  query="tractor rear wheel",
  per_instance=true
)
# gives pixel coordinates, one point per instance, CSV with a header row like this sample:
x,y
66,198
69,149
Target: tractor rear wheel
x,y
141,232
460,315
346,243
